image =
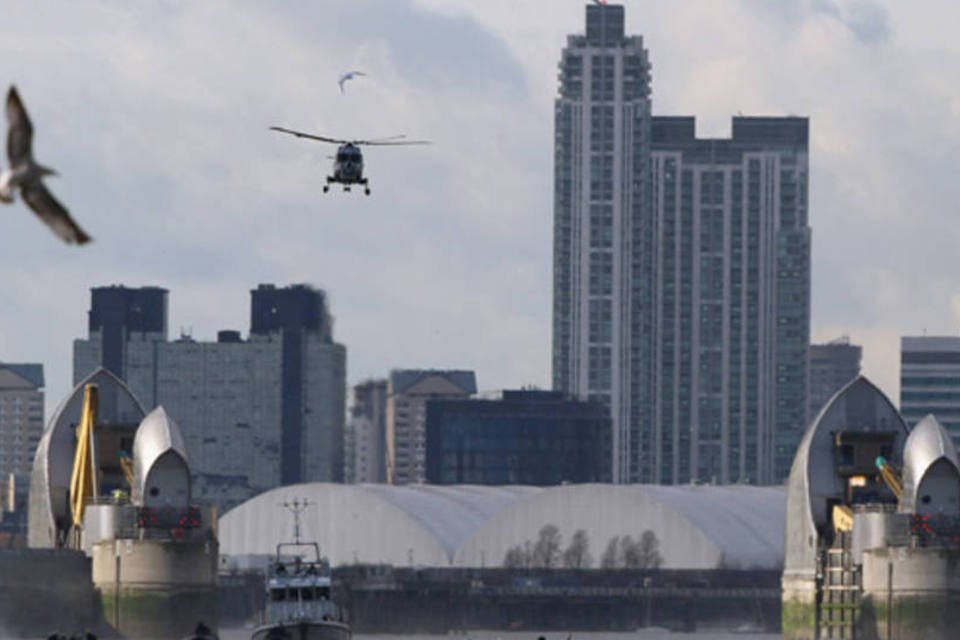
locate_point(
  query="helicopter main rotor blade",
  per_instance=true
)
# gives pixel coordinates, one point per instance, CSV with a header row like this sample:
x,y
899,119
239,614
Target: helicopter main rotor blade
x,y
301,134
391,143
379,140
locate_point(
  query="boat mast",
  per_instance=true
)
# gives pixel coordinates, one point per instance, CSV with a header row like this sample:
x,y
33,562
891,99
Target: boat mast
x,y
297,507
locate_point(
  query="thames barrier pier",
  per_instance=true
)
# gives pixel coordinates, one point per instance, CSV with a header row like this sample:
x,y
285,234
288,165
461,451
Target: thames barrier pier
x,y
873,525
114,483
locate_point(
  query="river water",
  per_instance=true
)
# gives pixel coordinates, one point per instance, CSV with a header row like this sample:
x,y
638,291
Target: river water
x,y
643,634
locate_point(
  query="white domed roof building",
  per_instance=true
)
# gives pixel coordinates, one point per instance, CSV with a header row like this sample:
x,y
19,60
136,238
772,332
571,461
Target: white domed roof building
x,y
698,527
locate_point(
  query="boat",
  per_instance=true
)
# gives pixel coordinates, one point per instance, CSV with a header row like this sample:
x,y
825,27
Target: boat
x,y
299,598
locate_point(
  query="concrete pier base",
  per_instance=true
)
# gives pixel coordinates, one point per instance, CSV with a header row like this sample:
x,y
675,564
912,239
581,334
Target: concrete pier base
x,y
910,594
170,612
156,588
927,617
799,608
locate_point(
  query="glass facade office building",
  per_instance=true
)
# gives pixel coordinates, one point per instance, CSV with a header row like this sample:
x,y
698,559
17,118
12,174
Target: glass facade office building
x,y
930,380
534,438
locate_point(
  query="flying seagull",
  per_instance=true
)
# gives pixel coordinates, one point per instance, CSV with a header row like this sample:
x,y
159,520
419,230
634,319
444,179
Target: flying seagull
x,y
349,75
27,175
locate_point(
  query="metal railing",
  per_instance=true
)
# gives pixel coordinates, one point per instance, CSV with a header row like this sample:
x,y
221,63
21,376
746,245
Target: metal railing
x,y
932,530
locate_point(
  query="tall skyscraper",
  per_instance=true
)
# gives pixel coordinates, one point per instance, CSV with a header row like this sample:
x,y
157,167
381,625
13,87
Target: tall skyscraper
x,y
368,427
832,366
732,290
407,393
21,417
602,252
255,413
930,380
681,272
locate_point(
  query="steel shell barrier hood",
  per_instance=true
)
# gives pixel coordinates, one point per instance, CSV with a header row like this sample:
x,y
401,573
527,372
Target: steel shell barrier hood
x,y
158,443
859,406
929,446
48,509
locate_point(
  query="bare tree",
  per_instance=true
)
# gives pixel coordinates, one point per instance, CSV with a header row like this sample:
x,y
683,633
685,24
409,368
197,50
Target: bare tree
x,y
515,558
577,555
648,550
611,555
546,552
629,552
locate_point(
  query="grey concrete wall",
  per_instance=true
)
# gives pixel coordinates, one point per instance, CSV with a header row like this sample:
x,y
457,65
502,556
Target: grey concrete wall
x,y
36,582
155,563
910,593
915,571
163,587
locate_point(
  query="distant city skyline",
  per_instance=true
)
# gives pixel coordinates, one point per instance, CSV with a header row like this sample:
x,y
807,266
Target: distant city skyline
x,y
256,411
182,186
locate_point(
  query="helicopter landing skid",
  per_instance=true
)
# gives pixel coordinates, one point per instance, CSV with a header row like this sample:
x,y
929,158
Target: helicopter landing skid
x,y
347,185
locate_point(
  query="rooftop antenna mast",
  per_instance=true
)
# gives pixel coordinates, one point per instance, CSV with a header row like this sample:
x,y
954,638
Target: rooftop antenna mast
x,y
297,507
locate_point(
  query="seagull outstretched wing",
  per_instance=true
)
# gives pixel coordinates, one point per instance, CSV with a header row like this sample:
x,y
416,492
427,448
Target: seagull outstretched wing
x,y
20,130
349,75
48,209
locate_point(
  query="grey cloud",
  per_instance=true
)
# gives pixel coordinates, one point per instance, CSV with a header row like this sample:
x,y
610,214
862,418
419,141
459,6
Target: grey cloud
x,y
430,49
156,115
868,21
156,118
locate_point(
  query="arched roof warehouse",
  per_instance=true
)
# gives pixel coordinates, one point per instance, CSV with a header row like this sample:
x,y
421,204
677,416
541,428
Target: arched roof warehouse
x,y
699,527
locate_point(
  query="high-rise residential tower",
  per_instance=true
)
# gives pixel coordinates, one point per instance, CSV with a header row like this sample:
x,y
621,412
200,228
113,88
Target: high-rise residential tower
x,y
832,366
21,417
681,272
602,254
256,412
732,292
930,380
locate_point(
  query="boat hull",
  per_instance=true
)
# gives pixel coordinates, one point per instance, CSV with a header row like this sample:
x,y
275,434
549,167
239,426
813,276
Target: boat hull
x,y
322,630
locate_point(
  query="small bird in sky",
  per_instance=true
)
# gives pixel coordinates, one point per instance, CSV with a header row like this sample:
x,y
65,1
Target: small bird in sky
x,y
27,175
349,75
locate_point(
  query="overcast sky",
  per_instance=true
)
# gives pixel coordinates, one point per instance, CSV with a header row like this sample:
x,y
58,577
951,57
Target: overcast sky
x,y
156,116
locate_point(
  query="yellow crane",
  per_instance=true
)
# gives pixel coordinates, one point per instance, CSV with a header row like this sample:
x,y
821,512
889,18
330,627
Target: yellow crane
x,y
842,518
83,480
890,476
126,465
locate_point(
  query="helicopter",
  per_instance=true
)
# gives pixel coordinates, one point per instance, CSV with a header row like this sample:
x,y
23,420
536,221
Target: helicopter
x,y
348,162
